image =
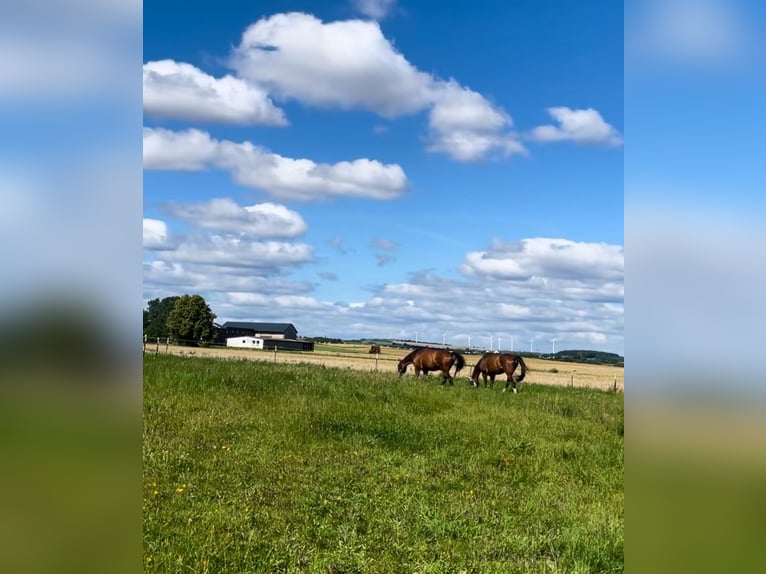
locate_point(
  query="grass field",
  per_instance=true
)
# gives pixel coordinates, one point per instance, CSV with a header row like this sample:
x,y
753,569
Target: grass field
x,y
252,466
356,356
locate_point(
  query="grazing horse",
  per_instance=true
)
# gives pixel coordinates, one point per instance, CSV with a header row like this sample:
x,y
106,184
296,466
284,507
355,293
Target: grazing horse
x,y
426,359
495,364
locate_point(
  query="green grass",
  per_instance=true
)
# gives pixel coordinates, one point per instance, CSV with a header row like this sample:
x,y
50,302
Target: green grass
x,y
261,467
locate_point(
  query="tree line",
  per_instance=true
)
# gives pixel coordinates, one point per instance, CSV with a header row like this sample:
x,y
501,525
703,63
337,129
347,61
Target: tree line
x,y
183,319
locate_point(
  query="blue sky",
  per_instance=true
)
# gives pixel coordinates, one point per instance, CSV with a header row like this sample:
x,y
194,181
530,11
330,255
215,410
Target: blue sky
x,y
375,169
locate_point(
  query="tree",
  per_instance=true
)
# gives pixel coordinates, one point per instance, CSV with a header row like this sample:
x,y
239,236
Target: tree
x,y
156,317
191,320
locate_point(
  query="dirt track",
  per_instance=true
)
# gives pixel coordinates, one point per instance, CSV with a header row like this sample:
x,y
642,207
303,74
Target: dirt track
x,y
356,357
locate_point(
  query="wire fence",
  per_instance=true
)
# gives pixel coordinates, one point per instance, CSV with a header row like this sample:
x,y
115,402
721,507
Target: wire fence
x,y
539,371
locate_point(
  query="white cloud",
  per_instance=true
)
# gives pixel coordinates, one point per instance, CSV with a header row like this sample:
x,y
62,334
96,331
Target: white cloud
x,y
346,64
466,126
186,277
282,177
189,150
228,251
248,298
351,65
156,234
375,9
579,126
223,214
547,258
514,311
182,91
299,302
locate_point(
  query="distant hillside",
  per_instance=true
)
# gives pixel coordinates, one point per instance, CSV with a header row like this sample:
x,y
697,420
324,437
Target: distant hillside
x,y
323,340
592,357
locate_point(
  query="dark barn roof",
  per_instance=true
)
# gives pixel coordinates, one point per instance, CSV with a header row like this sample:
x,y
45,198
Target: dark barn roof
x,y
259,327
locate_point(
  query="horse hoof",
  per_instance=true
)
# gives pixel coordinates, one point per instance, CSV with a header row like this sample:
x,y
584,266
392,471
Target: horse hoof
x,y
514,391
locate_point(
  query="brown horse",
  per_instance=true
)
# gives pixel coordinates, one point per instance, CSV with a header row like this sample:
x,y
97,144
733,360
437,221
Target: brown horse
x,y
426,359
495,364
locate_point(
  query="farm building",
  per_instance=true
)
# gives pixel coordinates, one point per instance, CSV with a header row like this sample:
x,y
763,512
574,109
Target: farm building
x,y
245,342
259,330
261,336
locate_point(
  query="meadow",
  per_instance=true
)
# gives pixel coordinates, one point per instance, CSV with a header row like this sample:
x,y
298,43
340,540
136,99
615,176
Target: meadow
x,y
256,466
356,356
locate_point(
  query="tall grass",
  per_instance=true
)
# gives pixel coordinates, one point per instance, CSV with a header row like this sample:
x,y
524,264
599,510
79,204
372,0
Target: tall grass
x,y
261,467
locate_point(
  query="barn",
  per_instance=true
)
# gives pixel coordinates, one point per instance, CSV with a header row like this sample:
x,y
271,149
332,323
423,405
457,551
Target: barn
x,y
271,335
259,330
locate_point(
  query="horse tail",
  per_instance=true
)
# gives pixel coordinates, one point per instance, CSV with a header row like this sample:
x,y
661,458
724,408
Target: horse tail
x,y
520,361
475,374
459,361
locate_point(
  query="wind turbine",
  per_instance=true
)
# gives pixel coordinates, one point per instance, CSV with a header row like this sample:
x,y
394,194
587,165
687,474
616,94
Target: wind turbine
x,y
444,338
532,345
554,346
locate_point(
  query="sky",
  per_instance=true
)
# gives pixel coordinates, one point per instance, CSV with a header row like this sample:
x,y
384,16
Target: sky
x,y
447,172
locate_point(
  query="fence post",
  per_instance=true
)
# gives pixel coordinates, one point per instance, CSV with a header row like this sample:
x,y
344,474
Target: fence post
x,y
571,379
376,363
275,353
167,343
157,348
614,388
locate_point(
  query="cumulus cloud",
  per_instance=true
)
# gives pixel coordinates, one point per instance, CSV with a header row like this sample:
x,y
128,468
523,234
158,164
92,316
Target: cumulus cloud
x,y
547,258
346,64
375,9
223,214
286,178
182,91
189,150
156,235
351,65
229,251
466,126
430,305
186,277
284,301
579,126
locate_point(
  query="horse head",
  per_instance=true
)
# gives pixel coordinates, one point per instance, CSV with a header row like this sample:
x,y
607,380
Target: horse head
x,y
401,367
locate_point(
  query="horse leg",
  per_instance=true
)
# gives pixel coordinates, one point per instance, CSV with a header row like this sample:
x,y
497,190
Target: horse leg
x,y
510,381
492,381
